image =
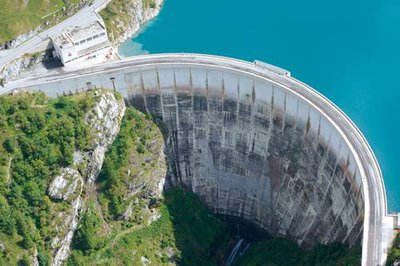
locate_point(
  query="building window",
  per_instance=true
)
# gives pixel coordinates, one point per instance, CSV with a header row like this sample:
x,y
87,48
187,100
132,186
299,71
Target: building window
x,y
89,39
95,36
83,41
77,43
102,34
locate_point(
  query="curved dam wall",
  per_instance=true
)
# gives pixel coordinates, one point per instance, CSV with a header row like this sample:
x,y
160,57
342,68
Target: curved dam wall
x,y
254,143
251,149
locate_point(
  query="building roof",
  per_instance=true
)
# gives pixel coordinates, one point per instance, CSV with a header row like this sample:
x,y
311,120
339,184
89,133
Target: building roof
x,y
82,33
67,39
62,41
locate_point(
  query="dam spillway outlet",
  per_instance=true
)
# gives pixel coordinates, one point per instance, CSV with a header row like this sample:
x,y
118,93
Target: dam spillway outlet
x,y
254,143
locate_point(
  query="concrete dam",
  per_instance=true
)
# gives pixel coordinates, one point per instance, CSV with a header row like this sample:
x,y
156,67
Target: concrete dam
x,y
254,143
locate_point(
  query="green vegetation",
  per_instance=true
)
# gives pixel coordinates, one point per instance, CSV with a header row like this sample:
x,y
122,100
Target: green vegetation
x,y
171,238
18,17
149,3
283,252
160,229
136,151
86,238
115,13
394,253
37,138
200,236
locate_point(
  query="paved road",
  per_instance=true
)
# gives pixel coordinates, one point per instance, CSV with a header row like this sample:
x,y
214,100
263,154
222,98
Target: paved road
x,y
374,244
83,17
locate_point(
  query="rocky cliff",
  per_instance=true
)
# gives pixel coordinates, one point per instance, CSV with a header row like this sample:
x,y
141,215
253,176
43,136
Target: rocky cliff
x,y
19,66
104,121
123,18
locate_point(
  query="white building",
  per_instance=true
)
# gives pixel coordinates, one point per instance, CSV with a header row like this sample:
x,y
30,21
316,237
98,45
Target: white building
x,y
398,220
81,43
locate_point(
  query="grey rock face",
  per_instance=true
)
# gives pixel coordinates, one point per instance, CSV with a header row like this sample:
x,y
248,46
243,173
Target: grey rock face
x,y
104,121
35,258
64,186
19,66
139,14
66,230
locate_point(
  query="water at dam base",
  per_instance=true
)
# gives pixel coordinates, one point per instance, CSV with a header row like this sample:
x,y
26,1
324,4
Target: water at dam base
x,y
346,50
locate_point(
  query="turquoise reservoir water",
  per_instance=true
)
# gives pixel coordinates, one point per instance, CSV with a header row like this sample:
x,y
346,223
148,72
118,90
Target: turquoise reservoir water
x,y
347,49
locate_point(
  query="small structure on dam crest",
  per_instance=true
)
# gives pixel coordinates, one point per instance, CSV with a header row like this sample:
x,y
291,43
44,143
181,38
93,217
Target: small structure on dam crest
x,y
255,143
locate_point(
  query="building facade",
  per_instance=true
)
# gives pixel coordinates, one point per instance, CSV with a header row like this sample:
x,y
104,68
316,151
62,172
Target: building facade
x,y
81,43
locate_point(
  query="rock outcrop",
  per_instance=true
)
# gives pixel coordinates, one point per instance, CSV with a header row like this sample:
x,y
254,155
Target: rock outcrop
x,y
69,222
17,67
104,121
66,185
138,12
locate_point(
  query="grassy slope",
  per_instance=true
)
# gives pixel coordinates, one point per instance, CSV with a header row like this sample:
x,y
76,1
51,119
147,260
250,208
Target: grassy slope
x,y
37,137
16,17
